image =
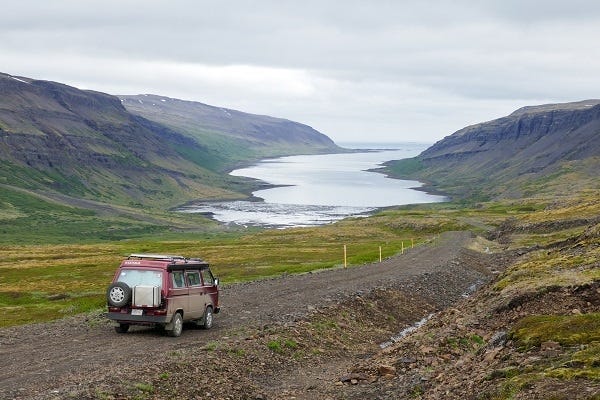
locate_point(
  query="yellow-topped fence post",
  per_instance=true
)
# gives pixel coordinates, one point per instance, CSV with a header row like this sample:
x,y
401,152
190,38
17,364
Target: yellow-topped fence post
x,y
345,257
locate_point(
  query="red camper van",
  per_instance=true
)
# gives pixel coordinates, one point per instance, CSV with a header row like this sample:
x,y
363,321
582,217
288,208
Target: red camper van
x,y
162,290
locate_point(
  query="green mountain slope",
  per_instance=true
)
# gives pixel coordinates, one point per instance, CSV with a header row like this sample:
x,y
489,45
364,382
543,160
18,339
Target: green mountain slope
x,y
86,144
536,151
230,136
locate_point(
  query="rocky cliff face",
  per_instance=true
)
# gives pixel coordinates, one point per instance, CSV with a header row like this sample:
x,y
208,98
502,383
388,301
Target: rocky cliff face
x,y
537,136
49,125
502,155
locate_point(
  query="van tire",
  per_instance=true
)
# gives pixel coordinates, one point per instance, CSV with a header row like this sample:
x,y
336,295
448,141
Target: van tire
x,y
207,320
177,326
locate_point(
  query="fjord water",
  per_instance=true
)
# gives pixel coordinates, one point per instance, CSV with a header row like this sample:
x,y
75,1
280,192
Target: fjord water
x,y
319,189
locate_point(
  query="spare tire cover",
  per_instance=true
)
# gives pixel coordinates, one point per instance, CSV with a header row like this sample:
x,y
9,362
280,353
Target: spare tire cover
x,y
118,294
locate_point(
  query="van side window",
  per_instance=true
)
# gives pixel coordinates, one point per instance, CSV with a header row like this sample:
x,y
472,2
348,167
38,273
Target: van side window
x,y
193,278
208,279
178,281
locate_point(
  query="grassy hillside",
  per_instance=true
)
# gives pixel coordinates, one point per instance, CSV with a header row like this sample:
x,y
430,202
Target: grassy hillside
x,y
27,217
534,332
86,145
540,151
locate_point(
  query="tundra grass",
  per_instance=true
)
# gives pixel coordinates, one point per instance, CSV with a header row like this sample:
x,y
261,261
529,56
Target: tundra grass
x,y
69,273
567,233
45,282
571,265
568,330
579,337
26,218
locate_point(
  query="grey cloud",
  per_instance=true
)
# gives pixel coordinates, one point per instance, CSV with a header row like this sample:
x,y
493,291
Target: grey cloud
x,y
415,67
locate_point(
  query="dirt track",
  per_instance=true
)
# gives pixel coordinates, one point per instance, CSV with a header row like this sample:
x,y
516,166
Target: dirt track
x,y
37,358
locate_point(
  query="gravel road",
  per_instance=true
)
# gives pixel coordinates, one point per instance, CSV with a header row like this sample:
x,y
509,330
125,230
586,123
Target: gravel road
x,y
37,356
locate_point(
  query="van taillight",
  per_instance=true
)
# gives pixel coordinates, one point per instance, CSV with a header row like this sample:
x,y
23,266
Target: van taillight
x,y
159,311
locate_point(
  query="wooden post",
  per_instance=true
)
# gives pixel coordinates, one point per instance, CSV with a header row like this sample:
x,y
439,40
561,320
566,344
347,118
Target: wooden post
x,y
379,253
345,259
412,243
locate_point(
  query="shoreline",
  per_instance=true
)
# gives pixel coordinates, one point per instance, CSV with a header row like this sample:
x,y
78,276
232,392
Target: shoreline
x,y
256,185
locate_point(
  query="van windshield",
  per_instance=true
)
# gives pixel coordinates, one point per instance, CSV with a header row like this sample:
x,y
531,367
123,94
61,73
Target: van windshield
x,y
140,277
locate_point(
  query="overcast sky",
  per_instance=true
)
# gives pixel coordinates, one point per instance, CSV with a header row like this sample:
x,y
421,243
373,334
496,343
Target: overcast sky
x,y
354,70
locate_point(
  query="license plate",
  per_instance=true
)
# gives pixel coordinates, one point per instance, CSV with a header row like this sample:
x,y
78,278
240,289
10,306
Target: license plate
x,y
137,312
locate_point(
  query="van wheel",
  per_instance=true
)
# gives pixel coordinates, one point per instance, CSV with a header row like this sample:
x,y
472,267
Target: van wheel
x,y
122,328
177,326
207,320
118,294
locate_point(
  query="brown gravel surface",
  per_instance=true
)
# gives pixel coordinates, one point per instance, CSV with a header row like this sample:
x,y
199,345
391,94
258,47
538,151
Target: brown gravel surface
x,y
275,338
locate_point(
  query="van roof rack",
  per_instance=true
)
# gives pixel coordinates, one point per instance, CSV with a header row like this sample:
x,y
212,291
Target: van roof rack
x,y
158,257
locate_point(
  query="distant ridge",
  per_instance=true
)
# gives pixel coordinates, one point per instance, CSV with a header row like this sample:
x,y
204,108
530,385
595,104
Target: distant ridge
x,y
578,105
536,150
235,134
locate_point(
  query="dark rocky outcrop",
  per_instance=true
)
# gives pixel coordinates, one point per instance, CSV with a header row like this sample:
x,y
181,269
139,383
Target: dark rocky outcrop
x,y
537,136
